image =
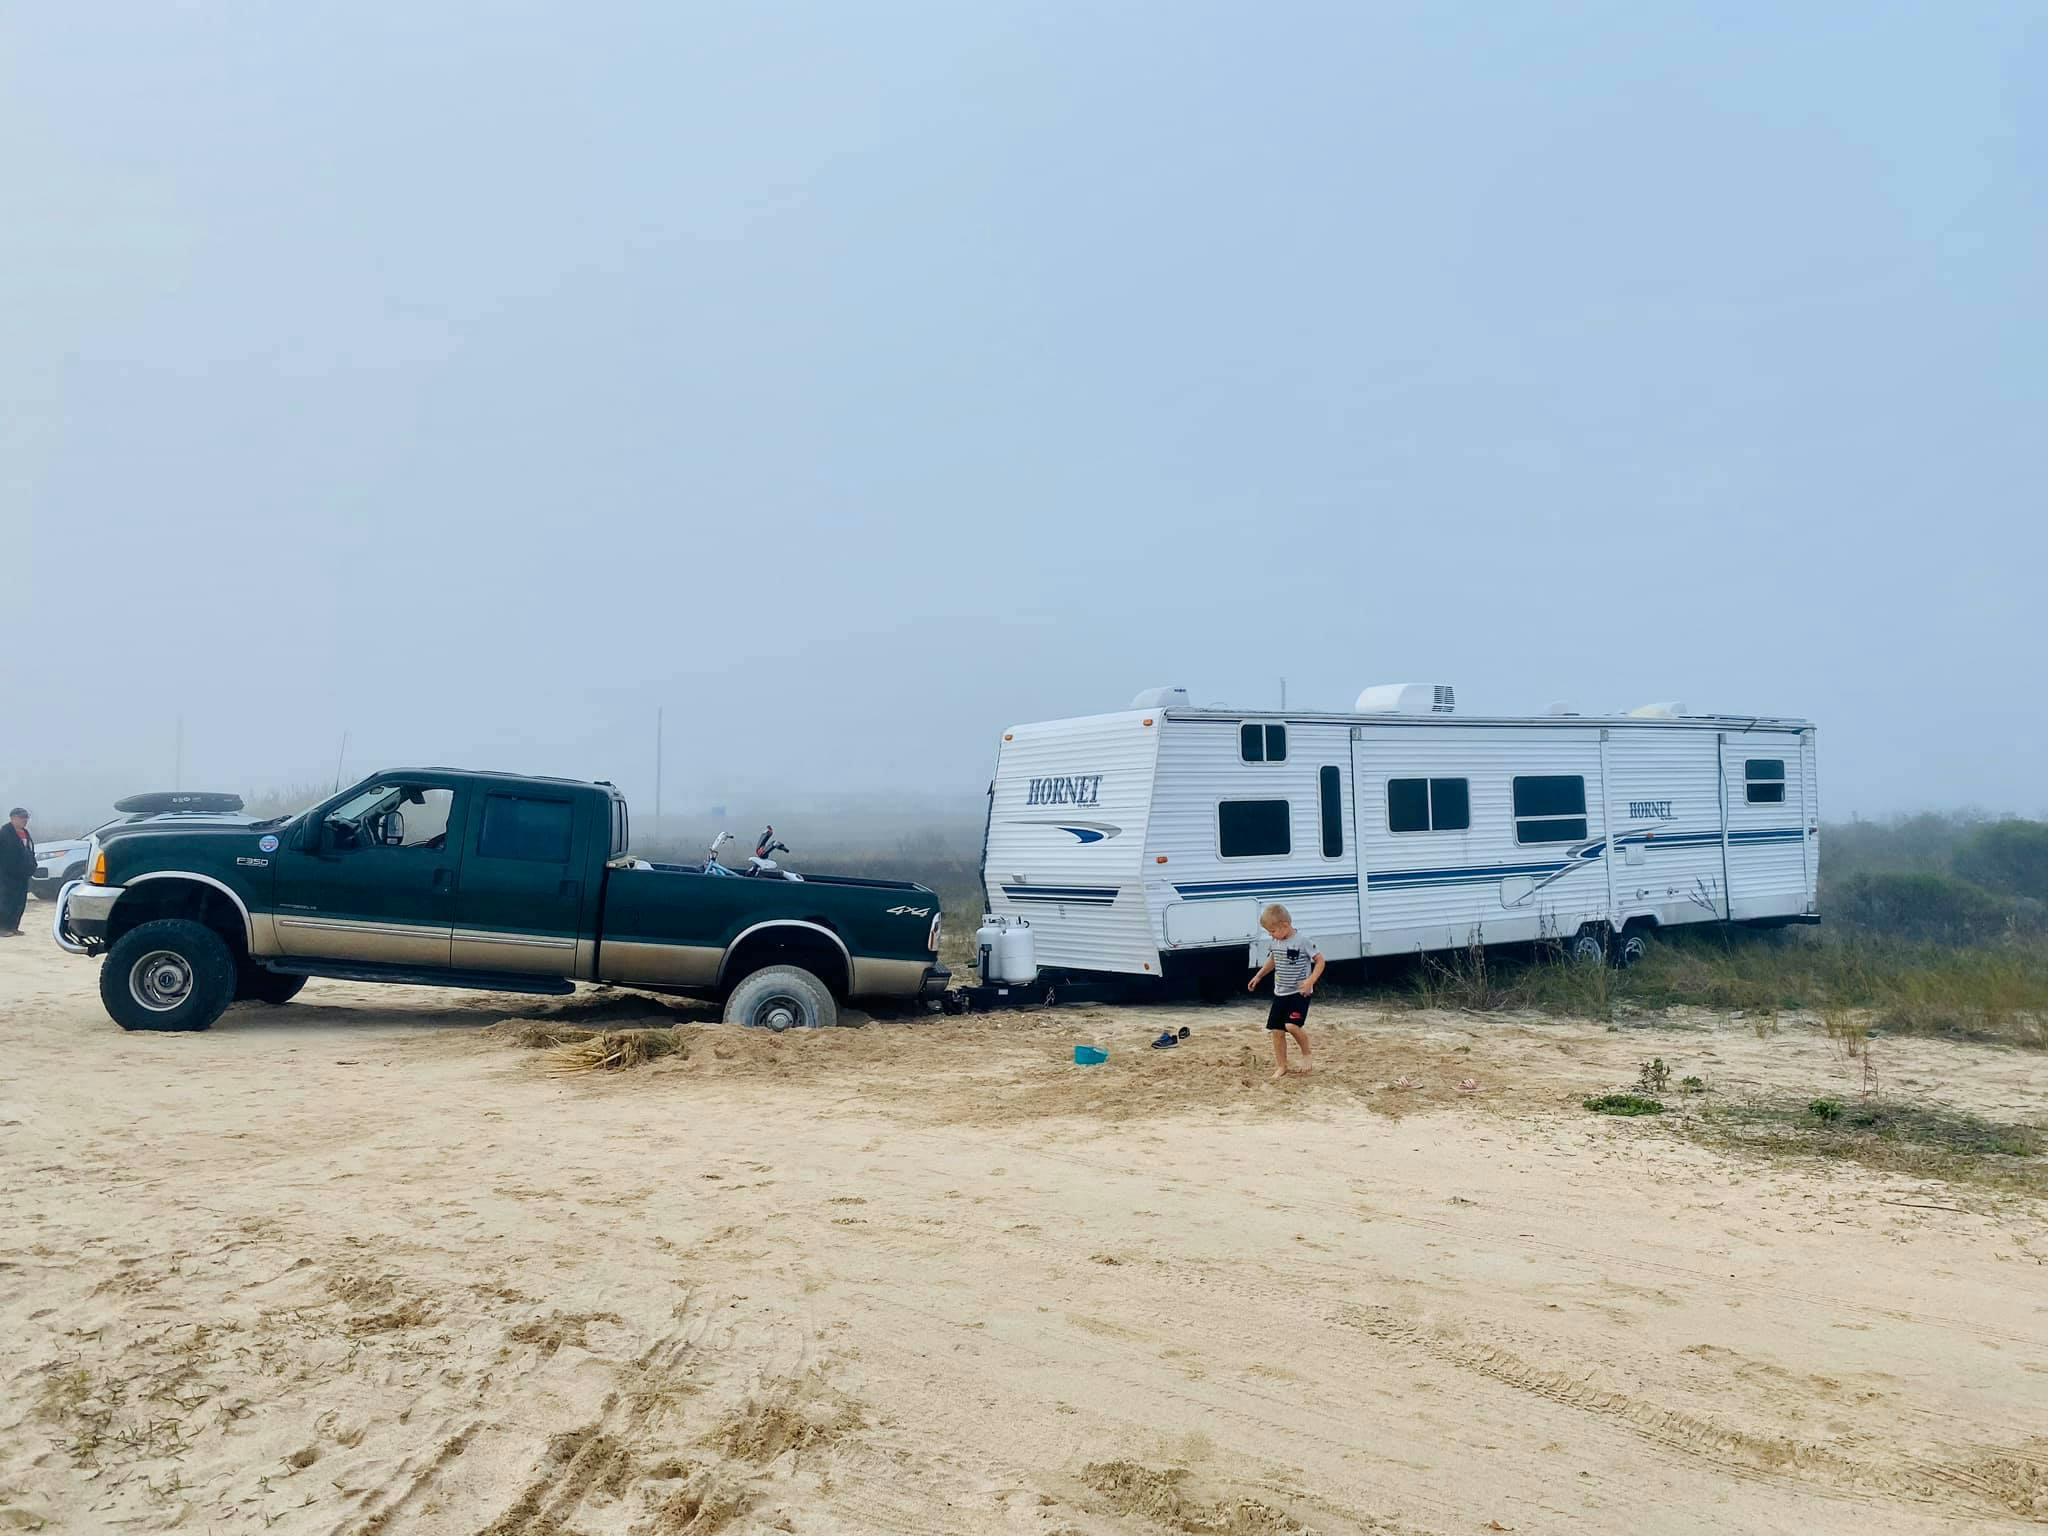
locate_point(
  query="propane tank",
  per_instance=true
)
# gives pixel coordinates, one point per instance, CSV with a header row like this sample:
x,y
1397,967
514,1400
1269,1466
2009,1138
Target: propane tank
x,y
986,938
1017,954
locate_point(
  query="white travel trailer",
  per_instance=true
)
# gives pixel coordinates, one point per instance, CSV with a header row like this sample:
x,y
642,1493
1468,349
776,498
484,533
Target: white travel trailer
x,y
1146,842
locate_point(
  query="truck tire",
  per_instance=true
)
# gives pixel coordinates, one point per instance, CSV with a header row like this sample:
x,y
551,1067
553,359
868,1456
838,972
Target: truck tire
x,y
253,984
782,997
172,974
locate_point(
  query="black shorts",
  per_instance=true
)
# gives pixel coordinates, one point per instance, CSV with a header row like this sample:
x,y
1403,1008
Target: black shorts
x,y
1286,1011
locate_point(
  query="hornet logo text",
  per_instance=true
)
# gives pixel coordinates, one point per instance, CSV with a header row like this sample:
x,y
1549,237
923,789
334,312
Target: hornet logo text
x,y
1083,789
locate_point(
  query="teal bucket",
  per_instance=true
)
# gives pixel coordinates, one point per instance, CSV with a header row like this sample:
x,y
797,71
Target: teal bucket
x,y
1089,1056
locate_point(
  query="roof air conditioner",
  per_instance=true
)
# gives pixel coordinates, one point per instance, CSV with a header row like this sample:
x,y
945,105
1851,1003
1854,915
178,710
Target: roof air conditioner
x,y
1407,699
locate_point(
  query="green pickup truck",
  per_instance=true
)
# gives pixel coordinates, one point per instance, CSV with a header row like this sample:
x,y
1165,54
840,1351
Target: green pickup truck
x,y
450,878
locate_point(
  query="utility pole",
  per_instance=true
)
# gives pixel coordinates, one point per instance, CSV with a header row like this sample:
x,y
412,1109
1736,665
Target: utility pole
x,y
178,759
658,734
339,758
1283,693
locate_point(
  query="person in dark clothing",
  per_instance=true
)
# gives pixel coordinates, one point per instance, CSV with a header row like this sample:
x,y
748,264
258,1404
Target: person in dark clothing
x,y
17,865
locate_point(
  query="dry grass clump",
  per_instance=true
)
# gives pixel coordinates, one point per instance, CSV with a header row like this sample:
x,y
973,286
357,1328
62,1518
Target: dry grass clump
x,y
616,1050
1164,1498
538,1034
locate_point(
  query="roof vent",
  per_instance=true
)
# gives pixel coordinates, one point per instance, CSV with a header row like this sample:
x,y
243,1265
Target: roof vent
x,y
1161,698
1407,699
1669,710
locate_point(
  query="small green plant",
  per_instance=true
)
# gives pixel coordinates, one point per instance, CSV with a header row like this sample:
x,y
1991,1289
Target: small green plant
x,y
1653,1077
1624,1104
1764,1025
1827,1111
1692,1085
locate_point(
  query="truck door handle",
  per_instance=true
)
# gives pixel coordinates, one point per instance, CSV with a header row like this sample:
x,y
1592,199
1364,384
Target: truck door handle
x,y
444,879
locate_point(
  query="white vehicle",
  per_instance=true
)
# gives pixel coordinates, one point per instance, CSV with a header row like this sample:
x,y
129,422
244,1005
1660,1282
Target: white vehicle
x,y
63,859
1146,842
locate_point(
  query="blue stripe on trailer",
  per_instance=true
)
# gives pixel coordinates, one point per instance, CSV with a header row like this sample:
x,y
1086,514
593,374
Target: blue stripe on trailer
x,y
1200,888
1066,895
1475,874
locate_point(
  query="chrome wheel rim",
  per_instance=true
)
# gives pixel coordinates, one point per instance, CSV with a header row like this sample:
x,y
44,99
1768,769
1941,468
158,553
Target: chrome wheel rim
x,y
161,980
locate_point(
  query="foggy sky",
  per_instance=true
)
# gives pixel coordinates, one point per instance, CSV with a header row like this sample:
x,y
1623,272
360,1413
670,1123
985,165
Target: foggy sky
x,y
852,381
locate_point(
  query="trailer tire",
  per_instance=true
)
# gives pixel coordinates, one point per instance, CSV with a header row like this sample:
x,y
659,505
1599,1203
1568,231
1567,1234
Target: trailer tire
x,y
1588,946
781,997
170,975
1634,944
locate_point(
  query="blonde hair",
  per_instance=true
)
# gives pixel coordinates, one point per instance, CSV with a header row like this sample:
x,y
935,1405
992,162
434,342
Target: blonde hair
x,y
1275,916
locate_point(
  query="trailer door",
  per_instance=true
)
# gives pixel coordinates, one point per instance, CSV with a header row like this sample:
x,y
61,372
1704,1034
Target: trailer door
x,y
1361,853
1809,805
1765,777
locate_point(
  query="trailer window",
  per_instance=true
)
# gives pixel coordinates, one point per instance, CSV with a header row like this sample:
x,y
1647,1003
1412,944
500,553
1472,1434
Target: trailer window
x,y
1765,780
1250,829
1258,743
1550,808
1330,791
518,828
1428,805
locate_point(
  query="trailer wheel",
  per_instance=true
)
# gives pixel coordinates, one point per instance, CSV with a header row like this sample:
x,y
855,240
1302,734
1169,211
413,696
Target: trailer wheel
x,y
782,997
1635,943
1589,947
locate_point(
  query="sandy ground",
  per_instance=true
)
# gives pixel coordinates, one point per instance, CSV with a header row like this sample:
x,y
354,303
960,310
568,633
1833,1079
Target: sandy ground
x,y
362,1264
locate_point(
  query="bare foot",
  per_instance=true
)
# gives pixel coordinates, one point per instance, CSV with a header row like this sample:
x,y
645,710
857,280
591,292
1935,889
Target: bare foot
x,y
1303,1070
1278,1073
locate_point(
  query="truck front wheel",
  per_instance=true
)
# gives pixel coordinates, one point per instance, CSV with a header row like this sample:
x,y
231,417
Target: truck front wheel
x,y
171,974
782,997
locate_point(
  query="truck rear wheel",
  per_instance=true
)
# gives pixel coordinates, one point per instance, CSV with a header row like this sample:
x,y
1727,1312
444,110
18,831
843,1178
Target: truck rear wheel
x,y
782,997
253,984
172,974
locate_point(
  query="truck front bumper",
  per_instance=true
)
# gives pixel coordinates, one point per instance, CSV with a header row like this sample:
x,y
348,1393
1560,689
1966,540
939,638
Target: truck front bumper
x,y
80,926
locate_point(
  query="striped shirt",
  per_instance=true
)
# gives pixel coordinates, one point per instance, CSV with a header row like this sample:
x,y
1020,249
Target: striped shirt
x,y
1293,958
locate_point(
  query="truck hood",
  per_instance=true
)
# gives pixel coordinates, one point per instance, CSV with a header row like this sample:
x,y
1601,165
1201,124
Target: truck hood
x,y
222,851
197,830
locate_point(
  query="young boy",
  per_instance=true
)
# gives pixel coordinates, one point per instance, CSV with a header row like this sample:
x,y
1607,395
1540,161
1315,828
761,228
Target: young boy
x,y
1297,965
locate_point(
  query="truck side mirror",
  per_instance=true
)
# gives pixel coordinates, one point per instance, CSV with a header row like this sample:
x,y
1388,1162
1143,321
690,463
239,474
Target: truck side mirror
x,y
311,835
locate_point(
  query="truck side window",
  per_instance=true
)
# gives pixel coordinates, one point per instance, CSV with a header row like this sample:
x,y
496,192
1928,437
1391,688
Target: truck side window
x,y
398,816
518,827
